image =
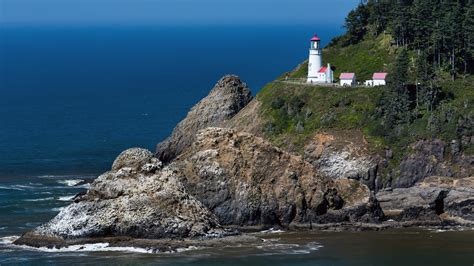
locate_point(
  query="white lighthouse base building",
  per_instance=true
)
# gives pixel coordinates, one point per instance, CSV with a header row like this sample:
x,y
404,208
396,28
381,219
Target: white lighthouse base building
x,y
324,75
317,73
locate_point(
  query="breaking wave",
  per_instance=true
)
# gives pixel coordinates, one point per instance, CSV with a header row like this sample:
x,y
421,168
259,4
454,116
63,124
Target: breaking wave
x,y
97,247
8,239
40,199
66,198
272,231
71,182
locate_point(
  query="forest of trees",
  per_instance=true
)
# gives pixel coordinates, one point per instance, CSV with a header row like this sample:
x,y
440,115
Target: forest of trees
x,y
441,31
434,40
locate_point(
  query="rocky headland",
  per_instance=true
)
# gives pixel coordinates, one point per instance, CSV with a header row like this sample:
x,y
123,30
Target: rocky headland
x,y
217,176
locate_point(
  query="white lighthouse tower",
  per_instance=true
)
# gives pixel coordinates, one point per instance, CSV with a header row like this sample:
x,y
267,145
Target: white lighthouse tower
x,y
316,72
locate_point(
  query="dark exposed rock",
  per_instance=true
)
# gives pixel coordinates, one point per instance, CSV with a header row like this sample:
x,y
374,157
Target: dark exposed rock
x,y
225,177
366,213
224,101
428,159
431,200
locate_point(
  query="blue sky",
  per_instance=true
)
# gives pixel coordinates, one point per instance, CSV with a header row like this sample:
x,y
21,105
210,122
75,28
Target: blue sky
x,y
175,11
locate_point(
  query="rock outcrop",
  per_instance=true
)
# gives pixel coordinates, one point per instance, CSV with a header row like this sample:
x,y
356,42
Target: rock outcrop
x,y
224,101
137,198
429,159
226,177
246,181
343,154
216,170
436,199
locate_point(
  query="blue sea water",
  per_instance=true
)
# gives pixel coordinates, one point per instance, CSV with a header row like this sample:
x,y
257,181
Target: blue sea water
x,y
73,97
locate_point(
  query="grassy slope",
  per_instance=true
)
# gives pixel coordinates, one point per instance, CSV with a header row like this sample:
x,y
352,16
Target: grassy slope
x,y
316,108
284,105
369,56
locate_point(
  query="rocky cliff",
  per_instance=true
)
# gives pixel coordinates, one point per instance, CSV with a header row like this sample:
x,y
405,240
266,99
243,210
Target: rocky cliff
x,y
246,181
137,198
224,101
221,170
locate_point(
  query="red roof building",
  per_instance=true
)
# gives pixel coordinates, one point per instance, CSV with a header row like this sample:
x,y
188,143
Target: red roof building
x,y
347,76
323,70
379,76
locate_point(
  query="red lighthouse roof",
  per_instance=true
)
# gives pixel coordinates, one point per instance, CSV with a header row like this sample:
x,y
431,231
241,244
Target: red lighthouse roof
x,y
315,38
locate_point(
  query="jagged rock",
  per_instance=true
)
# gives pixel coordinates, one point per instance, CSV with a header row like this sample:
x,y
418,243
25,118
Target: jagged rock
x,y
246,181
224,101
425,161
428,159
371,212
131,200
225,177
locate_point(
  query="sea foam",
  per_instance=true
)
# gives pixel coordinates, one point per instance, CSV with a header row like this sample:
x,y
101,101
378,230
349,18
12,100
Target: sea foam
x,y
8,239
66,198
40,199
70,182
97,247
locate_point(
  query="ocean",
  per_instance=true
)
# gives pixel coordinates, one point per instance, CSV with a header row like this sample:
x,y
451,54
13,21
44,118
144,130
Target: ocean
x,y
73,97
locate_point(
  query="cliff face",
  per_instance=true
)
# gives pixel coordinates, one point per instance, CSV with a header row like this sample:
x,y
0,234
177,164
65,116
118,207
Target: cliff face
x,y
233,175
245,180
225,177
332,129
434,158
224,101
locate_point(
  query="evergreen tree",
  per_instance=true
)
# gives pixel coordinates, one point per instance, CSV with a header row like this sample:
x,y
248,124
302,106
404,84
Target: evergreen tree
x,y
426,90
356,23
442,29
397,102
468,38
421,24
455,36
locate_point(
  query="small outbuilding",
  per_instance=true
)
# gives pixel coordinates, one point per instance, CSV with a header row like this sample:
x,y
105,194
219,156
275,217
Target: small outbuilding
x,y
348,79
379,79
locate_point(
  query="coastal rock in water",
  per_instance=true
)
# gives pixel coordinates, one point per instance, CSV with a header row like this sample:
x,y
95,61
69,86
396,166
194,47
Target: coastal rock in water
x,y
224,101
435,199
137,199
246,181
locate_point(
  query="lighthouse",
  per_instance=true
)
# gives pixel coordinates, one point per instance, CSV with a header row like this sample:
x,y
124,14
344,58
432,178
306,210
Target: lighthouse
x,y
316,72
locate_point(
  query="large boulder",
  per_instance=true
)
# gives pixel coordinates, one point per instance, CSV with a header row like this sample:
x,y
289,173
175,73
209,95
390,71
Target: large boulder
x,y
246,181
224,101
137,198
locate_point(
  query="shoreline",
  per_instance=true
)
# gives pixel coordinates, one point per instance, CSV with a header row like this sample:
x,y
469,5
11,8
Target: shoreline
x,y
244,235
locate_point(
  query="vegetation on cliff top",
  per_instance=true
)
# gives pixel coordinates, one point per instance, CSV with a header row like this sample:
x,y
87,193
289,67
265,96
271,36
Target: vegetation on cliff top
x,y
428,96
